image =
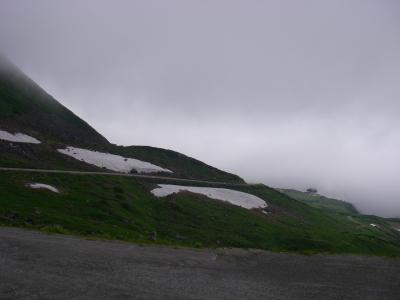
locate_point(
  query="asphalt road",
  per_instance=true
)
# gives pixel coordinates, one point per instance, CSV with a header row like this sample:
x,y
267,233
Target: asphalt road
x,y
122,174
35,265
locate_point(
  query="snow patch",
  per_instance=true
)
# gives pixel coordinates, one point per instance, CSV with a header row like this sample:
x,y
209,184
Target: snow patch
x,y
17,137
234,197
42,186
111,161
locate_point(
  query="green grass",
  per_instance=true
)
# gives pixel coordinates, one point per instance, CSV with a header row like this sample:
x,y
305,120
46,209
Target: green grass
x,y
123,208
321,202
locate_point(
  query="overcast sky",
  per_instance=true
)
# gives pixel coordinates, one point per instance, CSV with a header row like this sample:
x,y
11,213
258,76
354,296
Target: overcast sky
x,y
288,93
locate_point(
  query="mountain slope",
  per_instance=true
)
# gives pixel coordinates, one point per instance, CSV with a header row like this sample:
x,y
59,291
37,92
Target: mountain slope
x,y
24,106
322,202
116,207
124,208
28,109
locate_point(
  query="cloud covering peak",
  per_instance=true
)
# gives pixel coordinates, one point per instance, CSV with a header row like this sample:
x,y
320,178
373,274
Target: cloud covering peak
x,y
289,93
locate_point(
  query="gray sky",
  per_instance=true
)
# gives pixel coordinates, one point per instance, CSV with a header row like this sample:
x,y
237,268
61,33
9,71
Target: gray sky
x,y
289,93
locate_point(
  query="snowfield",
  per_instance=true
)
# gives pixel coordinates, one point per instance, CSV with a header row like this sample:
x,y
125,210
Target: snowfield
x,y
42,186
17,137
234,197
112,162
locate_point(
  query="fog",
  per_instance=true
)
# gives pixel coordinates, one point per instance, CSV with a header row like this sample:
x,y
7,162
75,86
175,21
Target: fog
x,y
289,93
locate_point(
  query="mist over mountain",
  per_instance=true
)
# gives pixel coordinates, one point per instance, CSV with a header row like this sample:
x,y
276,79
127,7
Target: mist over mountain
x,y
289,93
27,107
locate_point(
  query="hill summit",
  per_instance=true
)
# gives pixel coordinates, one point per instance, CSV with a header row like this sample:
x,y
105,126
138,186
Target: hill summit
x,y
26,107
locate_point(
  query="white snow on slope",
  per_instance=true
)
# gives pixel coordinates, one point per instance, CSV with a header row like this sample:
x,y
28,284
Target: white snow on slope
x,y
17,137
42,186
112,162
234,197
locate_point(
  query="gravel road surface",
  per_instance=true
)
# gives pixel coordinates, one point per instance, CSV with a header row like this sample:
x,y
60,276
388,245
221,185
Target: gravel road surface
x,y
36,265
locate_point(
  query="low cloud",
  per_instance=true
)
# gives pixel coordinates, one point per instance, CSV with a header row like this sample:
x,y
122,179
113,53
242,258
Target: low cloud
x,y
289,93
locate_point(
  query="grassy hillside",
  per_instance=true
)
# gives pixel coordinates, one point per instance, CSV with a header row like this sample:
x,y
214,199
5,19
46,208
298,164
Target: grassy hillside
x,y
182,165
123,208
321,202
42,156
45,156
27,108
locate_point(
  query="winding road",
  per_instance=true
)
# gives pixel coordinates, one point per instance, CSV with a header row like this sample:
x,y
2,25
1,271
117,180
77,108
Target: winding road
x,y
123,174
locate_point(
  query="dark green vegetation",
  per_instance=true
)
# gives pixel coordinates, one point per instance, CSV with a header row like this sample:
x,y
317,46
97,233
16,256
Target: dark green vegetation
x,y
182,165
27,108
321,202
45,156
123,208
